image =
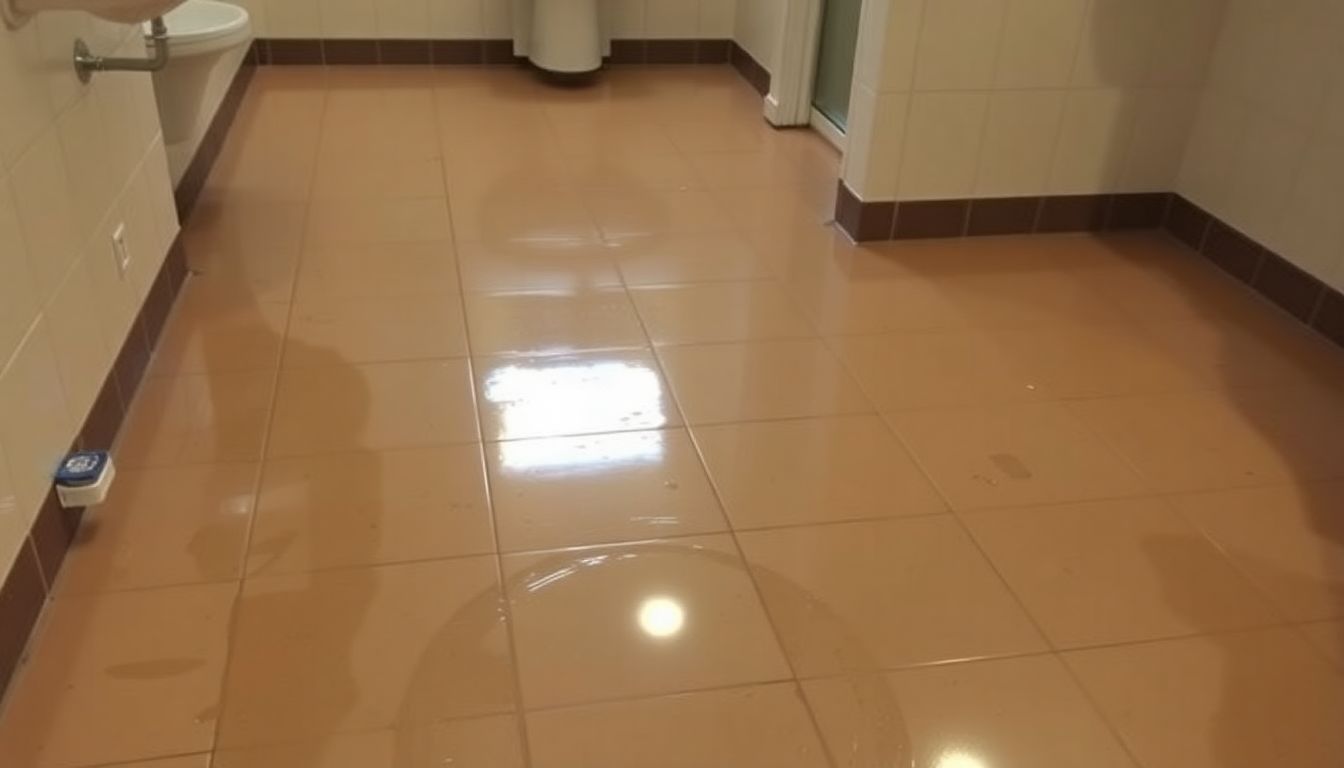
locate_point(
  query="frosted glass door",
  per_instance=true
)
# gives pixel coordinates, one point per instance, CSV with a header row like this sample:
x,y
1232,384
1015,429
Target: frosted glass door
x,y
835,59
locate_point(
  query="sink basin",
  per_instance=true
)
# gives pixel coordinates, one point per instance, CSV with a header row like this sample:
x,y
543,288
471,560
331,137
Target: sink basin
x,y
124,11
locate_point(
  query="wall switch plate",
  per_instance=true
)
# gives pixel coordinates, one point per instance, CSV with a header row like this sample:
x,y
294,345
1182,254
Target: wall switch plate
x,y
120,252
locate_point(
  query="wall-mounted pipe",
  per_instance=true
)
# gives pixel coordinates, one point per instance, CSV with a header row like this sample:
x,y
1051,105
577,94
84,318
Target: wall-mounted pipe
x,y
86,63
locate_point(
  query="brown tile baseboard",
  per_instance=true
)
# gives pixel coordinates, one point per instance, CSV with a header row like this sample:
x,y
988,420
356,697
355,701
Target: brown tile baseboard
x,y
30,578
1301,295
750,69
189,188
970,217
337,51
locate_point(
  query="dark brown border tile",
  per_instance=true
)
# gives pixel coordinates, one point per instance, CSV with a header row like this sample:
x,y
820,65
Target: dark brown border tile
x,y
129,367
343,51
498,52
457,52
1295,291
1073,213
404,52
713,51
158,303
1233,252
1003,216
284,51
627,52
875,221
104,419
1187,222
1329,319
922,219
669,51
757,76
848,208
1144,210
21,600
51,535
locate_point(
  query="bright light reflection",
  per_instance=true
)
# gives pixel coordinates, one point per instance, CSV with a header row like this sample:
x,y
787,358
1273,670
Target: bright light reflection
x,y
959,759
584,454
575,398
661,617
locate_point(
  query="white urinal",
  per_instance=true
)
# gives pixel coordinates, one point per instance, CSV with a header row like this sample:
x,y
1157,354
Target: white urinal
x,y
562,36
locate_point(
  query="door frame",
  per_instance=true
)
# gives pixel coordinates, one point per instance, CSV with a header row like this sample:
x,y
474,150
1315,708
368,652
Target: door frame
x,y
794,69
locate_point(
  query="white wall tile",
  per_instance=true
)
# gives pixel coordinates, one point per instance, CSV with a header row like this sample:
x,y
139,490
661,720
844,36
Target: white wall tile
x,y
402,19
1162,123
46,212
888,43
1040,42
717,18
18,301
23,93
1311,230
1093,141
455,19
34,423
348,18
82,354
1117,43
872,166
13,521
1263,171
672,18
1019,142
942,145
958,44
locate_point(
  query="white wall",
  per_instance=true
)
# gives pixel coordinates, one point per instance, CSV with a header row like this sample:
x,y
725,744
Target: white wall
x,y
74,161
1267,151
1002,98
759,29
476,19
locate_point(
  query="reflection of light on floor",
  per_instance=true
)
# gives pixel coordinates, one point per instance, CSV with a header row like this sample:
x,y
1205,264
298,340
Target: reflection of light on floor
x,y
661,617
957,758
571,456
575,397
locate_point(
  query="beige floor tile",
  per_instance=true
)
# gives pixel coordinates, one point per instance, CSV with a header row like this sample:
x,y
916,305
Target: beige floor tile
x,y
598,489
1013,455
1289,540
714,312
1219,701
813,471
1083,361
246,251
879,595
615,169
698,258
1027,298
1251,348
199,419
375,406
1188,441
367,648
562,269
384,270
342,175
209,334
746,170
761,380
1328,637
120,677
483,742
347,220
637,620
632,213
1025,711
191,761
1115,572
370,508
938,369
572,395
536,323
762,726
520,212
371,329
164,526
839,306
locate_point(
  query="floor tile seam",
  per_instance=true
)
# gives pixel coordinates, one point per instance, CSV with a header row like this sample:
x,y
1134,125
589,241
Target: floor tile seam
x,y
233,625
759,594
506,607
356,731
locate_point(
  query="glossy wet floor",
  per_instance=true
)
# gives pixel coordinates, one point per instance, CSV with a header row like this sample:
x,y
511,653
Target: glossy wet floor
x,y
508,426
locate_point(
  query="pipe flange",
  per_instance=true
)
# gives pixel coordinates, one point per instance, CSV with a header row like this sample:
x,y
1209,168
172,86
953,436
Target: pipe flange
x,y
14,18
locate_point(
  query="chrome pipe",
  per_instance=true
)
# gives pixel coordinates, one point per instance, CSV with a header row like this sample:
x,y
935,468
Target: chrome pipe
x,y
86,63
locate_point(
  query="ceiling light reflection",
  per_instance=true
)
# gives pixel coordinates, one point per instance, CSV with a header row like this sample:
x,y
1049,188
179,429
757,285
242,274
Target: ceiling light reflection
x,y
583,455
570,398
661,617
957,758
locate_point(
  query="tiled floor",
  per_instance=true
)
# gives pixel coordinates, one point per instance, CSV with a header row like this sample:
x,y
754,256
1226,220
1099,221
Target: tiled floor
x,y
510,426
